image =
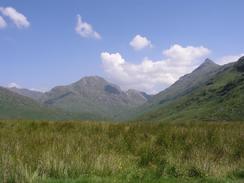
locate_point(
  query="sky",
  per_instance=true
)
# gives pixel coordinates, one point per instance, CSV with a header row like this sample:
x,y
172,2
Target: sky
x,y
141,44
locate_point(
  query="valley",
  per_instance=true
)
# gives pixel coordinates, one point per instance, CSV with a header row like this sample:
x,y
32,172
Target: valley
x,y
210,93
126,91
92,131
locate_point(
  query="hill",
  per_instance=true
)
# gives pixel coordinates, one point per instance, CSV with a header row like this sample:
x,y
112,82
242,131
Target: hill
x,y
211,92
95,97
220,97
15,106
35,95
181,87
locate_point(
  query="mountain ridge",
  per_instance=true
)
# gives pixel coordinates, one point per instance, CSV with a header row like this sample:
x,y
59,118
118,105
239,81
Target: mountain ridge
x,y
93,97
36,95
181,87
220,97
16,106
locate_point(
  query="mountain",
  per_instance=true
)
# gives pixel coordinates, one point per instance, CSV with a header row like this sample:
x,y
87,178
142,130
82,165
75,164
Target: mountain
x,y
219,95
96,97
36,95
181,87
211,92
187,83
15,106
138,97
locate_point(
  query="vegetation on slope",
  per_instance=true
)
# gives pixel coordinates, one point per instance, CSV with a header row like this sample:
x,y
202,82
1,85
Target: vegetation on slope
x,y
129,152
211,92
35,95
15,106
220,98
181,87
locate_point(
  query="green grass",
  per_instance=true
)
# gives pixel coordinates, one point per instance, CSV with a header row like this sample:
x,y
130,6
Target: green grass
x,y
52,152
94,179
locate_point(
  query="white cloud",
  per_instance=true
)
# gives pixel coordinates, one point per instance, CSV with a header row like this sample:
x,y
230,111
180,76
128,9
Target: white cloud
x,y
3,24
185,55
18,19
85,30
13,85
229,58
152,76
139,42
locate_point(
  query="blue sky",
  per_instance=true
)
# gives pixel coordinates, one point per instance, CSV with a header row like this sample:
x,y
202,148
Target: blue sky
x,y
50,51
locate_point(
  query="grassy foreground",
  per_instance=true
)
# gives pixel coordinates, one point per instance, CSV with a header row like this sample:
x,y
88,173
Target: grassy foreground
x,y
58,152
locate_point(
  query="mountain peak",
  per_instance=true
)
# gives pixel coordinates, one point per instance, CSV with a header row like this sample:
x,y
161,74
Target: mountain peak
x,y
209,62
91,81
92,78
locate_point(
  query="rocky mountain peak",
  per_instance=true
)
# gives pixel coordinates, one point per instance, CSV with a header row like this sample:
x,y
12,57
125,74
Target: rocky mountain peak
x,y
208,62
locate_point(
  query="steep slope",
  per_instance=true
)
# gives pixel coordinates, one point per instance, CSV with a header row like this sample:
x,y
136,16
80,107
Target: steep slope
x,y
36,95
95,97
220,98
138,97
187,82
183,86
15,106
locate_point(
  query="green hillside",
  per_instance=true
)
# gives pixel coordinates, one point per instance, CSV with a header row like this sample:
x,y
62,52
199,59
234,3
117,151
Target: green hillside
x,y
35,95
220,98
15,106
181,87
187,83
211,92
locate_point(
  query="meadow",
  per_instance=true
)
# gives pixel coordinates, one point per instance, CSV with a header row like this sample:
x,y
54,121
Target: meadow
x,y
58,152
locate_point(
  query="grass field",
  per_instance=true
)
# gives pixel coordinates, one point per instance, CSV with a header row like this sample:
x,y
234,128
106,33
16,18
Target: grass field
x,y
58,152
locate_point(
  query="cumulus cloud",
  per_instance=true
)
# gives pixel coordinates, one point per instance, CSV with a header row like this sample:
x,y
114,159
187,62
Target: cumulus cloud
x,y
185,55
3,23
84,29
229,58
18,19
139,42
13,85
152,76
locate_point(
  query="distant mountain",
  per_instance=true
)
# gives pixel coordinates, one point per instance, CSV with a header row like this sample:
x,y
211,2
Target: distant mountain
x,y
138,97
211,92
216,93
15,106
94,96
36,95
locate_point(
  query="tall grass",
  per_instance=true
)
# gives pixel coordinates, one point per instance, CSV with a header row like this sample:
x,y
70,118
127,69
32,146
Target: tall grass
x,y
31,151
